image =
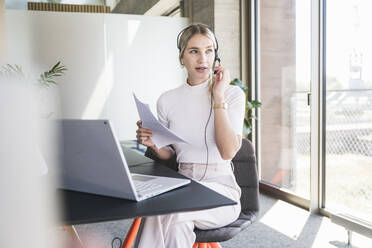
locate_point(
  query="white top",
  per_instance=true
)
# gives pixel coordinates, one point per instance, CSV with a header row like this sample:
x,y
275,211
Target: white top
x,y
185,110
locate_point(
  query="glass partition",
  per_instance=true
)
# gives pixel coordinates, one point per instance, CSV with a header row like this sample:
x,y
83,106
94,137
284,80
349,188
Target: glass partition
x,y
348,158
285,87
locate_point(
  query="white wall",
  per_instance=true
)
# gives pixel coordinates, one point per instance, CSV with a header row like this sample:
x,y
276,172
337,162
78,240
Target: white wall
x,y
108,56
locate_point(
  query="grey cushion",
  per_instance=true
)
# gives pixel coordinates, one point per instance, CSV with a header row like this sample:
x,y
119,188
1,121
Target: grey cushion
x,y
227,232
245,171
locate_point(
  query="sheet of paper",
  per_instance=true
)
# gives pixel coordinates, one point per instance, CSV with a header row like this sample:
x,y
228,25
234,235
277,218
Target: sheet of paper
x,y
162,135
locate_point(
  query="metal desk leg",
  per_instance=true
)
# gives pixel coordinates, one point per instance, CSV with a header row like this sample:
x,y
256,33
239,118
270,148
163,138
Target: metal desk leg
x,y
132,233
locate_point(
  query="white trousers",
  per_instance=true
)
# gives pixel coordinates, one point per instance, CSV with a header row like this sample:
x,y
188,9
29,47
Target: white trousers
x,y
177,230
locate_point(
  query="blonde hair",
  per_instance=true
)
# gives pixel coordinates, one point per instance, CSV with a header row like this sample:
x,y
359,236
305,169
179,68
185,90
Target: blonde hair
x,y
186,34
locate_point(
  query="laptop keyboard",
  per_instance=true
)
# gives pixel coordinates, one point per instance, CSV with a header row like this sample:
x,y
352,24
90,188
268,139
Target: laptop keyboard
x,y
143,187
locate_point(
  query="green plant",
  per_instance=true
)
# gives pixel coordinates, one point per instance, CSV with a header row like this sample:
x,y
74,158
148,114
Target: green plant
x,y
249,106
9,70
47,78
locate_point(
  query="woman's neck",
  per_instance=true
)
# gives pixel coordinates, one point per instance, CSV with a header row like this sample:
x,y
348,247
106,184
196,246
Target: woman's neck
x,y
194,82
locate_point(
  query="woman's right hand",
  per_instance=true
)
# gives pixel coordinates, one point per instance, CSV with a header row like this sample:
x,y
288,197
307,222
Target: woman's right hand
x,y
144,135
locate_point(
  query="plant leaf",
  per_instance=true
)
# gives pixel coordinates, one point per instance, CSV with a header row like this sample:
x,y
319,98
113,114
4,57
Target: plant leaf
x,y
235,81
239,83
246,130
249,105
256,104
47,77
55,66
246,122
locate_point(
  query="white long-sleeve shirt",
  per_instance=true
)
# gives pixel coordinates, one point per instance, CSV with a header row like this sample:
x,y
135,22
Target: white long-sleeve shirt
x,y
185,110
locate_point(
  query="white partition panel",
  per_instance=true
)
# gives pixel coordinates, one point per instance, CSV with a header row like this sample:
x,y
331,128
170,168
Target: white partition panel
x,y
108,57
37,40
143,57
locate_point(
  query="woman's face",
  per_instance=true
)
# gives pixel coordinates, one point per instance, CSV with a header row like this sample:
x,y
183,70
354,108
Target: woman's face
x,y
198,58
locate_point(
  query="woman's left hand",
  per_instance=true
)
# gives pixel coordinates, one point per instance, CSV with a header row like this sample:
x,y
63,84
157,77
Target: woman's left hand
x,y
222,81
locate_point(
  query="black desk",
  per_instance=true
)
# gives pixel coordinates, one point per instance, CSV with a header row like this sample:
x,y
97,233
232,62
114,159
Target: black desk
x,y
82,208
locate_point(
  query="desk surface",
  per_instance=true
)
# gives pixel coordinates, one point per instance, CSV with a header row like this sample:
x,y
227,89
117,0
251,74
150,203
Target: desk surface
x,y
82,208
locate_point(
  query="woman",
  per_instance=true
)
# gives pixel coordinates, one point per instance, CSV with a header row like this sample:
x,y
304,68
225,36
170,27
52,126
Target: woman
x,y
213,136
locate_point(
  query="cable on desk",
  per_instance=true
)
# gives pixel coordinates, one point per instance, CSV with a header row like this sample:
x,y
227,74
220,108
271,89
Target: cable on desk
x,y
113,241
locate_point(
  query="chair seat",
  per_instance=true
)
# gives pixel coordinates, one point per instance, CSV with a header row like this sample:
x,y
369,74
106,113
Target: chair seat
x,y
227,232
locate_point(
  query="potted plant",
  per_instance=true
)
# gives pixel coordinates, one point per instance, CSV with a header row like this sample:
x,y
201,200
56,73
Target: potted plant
x,y
249,107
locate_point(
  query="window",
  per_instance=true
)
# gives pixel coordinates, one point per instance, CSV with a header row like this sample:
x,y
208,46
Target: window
x,y
284,86
348,99
344,76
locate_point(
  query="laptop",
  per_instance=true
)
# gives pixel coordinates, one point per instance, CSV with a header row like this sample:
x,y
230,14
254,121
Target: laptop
x,y
93,162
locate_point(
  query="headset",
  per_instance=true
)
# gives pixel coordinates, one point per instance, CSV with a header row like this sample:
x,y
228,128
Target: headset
x,y
216,58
